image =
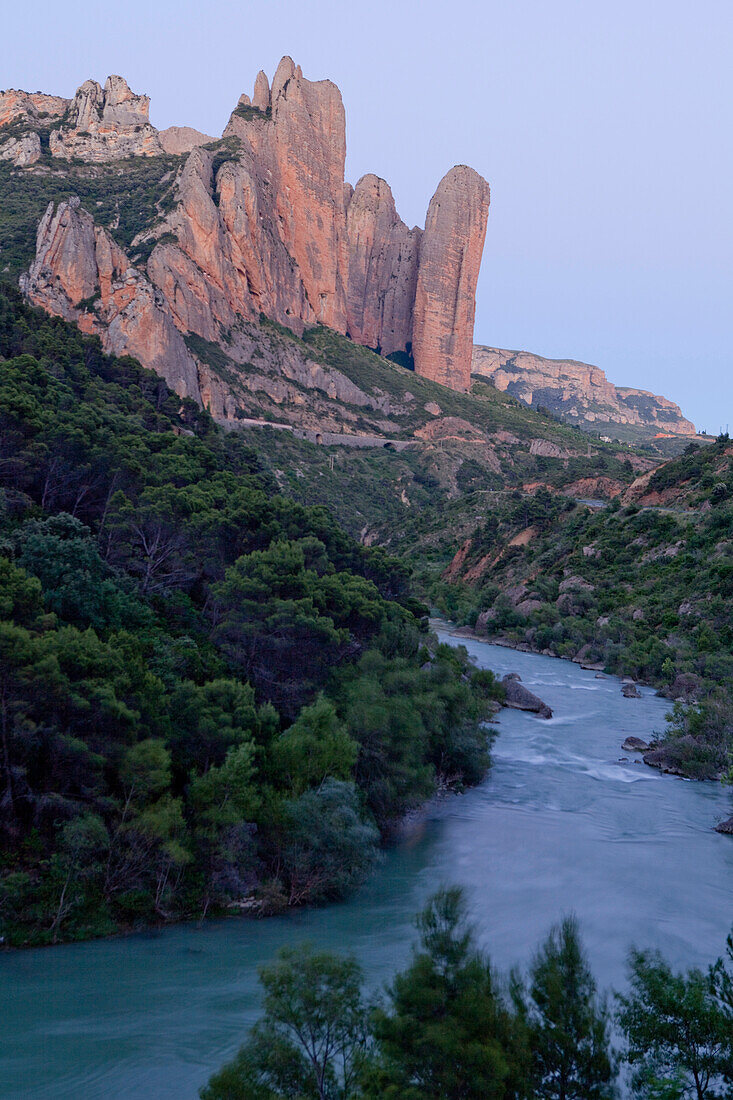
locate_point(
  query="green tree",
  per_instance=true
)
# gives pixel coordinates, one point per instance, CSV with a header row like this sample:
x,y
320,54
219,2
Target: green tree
x,y
223,803
312,1038
84,842
327,847
568,1025
447,1032
314,747
679,1028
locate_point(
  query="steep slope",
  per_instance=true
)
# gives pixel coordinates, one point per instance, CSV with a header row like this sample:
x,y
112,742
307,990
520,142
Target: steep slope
x,y
641,588
580,394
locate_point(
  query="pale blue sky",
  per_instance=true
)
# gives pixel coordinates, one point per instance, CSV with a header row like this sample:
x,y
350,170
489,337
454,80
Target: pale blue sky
x,y
605,128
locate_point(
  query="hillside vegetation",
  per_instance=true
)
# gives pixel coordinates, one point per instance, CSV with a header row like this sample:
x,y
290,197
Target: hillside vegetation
x,y
642,590
210,695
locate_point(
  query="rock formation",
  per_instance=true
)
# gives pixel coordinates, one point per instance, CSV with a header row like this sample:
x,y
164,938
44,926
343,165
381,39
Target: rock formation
x,y
30,107
635,744
296,162
383,264
262,224
177,140
578,392
80,274
519,697
450,258
21,151
106,124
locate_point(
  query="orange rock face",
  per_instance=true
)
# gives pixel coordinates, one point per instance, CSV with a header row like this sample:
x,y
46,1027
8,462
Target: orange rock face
x,y
265,224
295,161
450,259
383,262
80,274
18,106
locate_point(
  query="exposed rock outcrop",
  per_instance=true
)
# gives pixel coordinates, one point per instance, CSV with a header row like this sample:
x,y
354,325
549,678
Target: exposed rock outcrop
x,y
80,274
383,265
578,392
22,151
294,187
30,107
450,259
177,140
261,96
107,123
264,224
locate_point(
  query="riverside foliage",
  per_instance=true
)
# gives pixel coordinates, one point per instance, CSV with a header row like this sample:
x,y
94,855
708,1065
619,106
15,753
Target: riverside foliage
x,y
452,1028
210,696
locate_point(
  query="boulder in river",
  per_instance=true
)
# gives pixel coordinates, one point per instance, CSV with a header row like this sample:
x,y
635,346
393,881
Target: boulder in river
x,y
630,691
635,744
725,826
521,698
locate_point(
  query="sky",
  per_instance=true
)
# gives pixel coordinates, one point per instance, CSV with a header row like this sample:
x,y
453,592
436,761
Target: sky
x,y
605,128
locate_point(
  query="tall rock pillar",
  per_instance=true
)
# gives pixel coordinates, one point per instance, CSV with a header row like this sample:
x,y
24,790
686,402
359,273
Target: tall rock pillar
x,y
450,260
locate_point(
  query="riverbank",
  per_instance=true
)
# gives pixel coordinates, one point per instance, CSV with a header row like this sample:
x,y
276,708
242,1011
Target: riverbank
x,y
522,647
670,756
558,825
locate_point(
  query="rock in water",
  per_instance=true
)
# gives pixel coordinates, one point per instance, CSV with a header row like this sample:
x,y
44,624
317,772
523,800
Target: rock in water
x,y
520,698
450,259
635,744
725,827
630,691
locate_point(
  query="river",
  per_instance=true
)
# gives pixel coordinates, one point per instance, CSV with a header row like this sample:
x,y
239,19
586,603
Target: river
x,y
559,825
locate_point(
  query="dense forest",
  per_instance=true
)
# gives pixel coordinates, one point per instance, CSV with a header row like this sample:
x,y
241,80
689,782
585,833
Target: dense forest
x,y
211,697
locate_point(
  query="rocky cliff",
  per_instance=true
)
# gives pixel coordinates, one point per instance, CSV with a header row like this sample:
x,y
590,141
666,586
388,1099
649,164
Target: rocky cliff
x,y
383,265
106,124
580,393
260,222
450,259
80,274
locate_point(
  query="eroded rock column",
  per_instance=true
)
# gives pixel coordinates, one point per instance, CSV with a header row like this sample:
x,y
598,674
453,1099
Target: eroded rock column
x,y
450,260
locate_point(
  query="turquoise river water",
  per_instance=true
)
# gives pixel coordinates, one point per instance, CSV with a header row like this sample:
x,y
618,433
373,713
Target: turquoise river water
x,y
561,824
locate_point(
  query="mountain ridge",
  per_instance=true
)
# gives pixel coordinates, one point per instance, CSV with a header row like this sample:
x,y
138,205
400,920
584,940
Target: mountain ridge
x,y
579,393
260,223
255,223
